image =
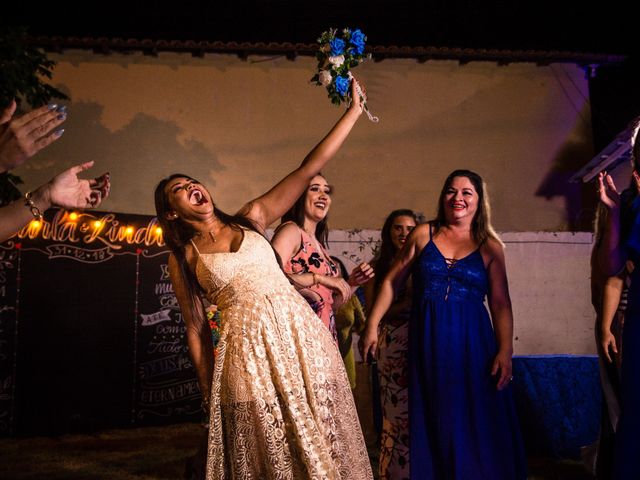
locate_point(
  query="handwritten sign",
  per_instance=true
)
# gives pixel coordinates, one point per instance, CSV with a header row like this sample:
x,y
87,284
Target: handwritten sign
x,y
91,336
166,386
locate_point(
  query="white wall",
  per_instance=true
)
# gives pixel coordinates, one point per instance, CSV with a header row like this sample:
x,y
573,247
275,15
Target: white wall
x,y
548,279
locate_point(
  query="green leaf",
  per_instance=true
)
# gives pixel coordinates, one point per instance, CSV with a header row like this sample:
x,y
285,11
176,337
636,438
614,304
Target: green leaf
x,y
23,69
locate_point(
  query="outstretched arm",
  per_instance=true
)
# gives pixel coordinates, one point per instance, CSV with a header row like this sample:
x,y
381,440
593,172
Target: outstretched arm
x,y
64,190
267,208
24,136
390,287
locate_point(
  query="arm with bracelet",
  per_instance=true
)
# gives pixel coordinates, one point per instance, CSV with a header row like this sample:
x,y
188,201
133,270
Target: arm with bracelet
x,y
65,190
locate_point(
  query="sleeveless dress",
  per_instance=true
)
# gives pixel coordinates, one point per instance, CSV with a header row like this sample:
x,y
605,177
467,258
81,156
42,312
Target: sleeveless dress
x,y
461,426
627,441
281,404
308,259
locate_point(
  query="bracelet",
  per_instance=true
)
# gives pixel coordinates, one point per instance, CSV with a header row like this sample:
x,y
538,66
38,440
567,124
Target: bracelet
x,y
35,211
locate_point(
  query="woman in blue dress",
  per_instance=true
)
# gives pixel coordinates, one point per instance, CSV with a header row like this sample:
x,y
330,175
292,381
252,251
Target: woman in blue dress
x,y
621,242
463,423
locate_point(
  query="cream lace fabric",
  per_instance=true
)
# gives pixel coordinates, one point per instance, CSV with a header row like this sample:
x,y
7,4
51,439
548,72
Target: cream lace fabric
x,y
281,405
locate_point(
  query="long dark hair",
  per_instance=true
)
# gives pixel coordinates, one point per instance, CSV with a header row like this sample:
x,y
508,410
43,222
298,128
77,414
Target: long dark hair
x,y
296,215
387,250
177,233
481,227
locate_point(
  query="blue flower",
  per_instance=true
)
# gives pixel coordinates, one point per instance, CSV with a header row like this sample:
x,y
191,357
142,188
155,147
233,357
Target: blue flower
x,y
337,46
342,85
358,41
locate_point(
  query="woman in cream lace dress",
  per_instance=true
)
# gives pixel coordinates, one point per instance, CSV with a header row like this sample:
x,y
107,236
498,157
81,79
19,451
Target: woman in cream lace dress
x,y
280,403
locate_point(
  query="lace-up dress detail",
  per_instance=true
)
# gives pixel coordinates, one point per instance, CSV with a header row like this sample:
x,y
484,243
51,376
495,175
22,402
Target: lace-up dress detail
x,y
461,427
281,404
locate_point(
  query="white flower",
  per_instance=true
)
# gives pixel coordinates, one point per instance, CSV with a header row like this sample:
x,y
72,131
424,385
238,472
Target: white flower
x,y
337,60
324,78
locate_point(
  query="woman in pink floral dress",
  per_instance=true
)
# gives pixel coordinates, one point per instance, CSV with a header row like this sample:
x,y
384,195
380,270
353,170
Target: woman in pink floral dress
x,y
301,242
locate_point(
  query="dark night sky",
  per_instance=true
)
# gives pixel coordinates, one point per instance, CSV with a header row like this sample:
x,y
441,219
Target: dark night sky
x,y
506,24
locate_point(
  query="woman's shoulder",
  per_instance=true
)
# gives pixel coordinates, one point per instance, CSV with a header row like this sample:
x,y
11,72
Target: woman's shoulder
x,y
287,229
493,245
421,234
492,249
423,230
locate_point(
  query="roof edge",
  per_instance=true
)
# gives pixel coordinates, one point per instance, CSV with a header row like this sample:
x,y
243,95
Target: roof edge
x,y
106,46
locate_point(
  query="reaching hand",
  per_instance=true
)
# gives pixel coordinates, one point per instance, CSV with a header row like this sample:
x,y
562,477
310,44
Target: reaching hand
x,y
607,191
66,190
361,275
23,137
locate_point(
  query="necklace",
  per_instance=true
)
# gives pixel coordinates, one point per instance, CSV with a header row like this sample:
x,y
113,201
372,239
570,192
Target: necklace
x,y
211,234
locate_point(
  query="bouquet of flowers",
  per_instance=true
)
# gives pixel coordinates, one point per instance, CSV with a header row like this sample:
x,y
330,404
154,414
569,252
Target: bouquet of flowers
x,y
339,52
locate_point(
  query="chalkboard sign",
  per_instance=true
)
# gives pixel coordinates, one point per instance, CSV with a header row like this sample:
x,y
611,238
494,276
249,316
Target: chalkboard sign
x,y
165,384
90,333
9,258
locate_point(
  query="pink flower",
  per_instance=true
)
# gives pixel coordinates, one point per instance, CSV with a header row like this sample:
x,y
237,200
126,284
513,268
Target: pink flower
x,y
324,78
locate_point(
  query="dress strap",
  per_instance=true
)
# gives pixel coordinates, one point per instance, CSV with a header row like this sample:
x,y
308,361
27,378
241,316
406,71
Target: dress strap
x,y
194,246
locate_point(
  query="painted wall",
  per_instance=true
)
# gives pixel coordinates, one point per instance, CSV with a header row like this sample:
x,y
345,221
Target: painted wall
x,y
239,126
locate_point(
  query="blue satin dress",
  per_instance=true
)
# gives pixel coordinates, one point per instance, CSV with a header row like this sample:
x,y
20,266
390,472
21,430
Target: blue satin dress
x,y
627,441
461,427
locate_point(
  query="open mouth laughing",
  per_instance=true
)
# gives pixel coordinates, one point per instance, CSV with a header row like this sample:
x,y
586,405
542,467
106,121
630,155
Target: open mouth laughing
x,y
196,197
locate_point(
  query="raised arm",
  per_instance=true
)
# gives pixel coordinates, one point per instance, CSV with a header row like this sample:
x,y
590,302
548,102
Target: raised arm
x,y
390,287
198,333
64,190
267,208
501,312
610,254
24,136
